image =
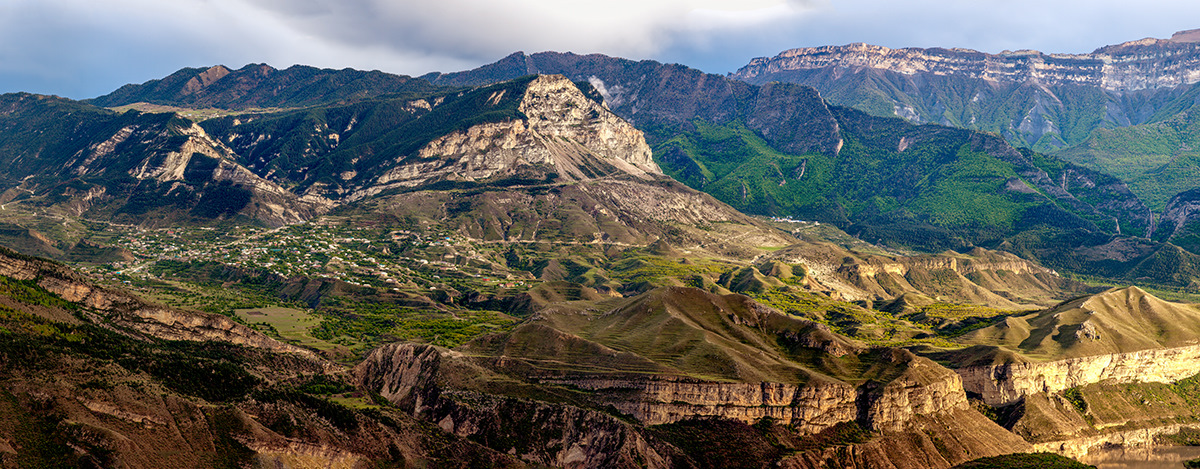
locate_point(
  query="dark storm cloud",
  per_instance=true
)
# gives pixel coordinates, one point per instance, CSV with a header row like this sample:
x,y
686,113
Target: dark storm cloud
x,y
82,48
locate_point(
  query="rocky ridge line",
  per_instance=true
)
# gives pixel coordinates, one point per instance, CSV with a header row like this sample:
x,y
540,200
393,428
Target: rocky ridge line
x,y
1144,64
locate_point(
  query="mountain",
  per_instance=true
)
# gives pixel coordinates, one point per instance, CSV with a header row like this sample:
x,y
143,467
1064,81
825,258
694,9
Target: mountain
x,y
881,179
1037,100
76,160
258,86
506,274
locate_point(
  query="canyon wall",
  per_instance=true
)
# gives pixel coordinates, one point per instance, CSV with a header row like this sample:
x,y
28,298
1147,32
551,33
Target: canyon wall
x,y
1005,383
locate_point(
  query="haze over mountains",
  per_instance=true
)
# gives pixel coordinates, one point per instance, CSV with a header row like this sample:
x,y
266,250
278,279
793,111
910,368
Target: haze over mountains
x,y
587,261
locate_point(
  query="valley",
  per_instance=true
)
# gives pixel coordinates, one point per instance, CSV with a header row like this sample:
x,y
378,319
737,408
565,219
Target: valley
x,y
574,261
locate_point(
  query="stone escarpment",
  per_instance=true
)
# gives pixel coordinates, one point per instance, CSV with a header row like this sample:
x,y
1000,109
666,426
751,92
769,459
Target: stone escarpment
x,y
923,388
1121,335
415,378
1008,382
811,407
538,432
1178,223
1149,63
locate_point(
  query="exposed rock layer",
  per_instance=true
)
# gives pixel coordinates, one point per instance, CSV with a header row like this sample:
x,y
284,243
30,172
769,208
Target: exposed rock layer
x,y
1134,65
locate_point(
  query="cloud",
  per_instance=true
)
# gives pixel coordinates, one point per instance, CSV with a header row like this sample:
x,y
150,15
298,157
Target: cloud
x,y
82,48
489,28
77,45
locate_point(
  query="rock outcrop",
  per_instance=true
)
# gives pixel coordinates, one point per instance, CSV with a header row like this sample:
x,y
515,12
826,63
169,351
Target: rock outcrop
x,y
919,408
1008,382
538,432
811,407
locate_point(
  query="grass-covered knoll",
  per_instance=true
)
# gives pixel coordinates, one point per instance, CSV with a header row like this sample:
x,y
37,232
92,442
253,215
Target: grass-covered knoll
x,y
670,331
1116,321
365,325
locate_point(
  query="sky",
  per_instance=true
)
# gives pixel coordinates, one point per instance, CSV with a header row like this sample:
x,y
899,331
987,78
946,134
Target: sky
x,y
86,48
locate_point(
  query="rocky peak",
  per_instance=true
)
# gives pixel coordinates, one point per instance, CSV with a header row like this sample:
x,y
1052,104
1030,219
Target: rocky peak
x,y
563,135
555,107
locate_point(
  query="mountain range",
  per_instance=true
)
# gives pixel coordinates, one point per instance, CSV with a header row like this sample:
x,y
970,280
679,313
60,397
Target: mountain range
x,y
586,261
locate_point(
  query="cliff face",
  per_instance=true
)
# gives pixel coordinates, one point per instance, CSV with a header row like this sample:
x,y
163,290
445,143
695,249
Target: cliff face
x,y
671,96
810,408
1006,383
542,433
1179,220
917,412
1131,66
1122,335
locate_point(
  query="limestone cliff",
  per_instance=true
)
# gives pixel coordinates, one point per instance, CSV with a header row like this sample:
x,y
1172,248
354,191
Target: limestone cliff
x,y
1149,63
1005,383
921,415
1047,102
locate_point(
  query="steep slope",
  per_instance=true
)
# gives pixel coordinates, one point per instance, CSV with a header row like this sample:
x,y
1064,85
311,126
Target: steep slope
x,y
261,86
1179,220
1157,158
146,169
1036,206
1043,101
526,160
358,150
